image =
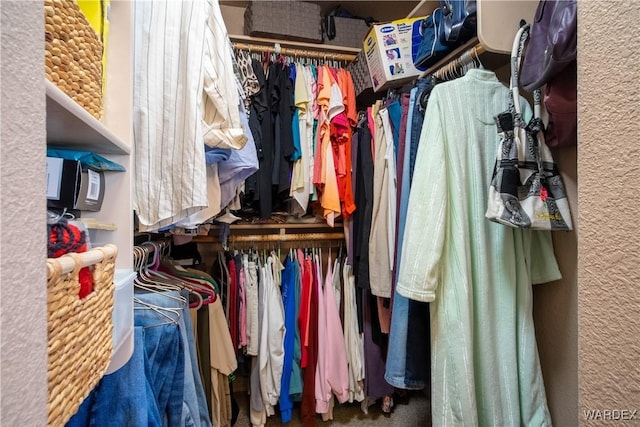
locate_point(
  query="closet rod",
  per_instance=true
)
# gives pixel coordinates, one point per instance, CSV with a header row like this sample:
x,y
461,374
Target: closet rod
x,y
293,44
272,238
460,61
162,245
304,53
472,47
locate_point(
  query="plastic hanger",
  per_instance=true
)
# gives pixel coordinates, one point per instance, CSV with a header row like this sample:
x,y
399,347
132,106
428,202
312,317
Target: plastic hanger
x,y
154,282
162,311
196,286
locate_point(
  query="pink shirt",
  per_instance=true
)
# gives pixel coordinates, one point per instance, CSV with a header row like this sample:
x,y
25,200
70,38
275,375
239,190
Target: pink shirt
x,y
243,312
332,375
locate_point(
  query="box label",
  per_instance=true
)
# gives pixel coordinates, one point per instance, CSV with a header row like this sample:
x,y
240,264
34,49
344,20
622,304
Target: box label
x,y
93,193
54,177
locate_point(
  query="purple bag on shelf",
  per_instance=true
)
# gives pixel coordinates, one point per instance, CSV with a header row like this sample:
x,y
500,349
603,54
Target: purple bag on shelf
x,y
553,42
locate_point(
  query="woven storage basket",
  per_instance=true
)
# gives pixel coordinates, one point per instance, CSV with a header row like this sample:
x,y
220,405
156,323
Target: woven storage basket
x,y
349,32
73,54
360,73
288,19
80,341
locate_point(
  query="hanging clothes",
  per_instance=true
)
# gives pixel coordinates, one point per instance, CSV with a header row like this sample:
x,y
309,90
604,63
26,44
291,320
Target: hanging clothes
x,y
353,341
251,291
223,364
261,123
332,376
281,99
364,202
308,405
271,355
257,410
408,366
477,274
295,384
289,303
325,177
241,164
301,179
169,174
383,215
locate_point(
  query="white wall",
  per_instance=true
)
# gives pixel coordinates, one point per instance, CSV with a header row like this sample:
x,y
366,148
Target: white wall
x,y
608,297
23,334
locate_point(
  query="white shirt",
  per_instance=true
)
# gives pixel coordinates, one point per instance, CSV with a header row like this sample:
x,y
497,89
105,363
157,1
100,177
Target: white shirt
x,y
271,353
184,96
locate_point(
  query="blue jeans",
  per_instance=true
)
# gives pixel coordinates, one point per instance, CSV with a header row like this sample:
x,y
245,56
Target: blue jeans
x,y
406,366
164,350
424,87
195,411
124,398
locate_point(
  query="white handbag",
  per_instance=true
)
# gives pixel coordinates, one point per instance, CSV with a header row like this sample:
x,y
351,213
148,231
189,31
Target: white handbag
x,y
526,189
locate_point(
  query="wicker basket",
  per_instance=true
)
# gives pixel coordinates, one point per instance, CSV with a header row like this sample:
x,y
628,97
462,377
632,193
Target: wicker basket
x,y
80,341
73,54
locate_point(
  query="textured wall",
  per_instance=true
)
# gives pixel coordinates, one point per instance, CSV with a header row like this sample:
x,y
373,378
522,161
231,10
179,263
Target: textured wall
x,y
609,244
23,335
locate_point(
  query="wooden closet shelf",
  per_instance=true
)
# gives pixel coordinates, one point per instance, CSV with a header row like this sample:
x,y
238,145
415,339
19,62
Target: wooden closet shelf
x,y
271,226
276,238
293,45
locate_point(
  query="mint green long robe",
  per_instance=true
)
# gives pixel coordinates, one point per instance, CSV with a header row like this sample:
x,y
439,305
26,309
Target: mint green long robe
x,y
477,274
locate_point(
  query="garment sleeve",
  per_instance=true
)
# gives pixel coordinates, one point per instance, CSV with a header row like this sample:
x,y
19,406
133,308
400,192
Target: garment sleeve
x,y
543,264
427,216
221,119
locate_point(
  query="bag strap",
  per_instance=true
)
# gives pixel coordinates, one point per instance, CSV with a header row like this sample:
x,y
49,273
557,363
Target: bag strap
x,y
516,61
534,128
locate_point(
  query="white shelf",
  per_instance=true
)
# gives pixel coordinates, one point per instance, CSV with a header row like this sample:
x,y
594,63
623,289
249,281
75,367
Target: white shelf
x,y
423,8
71,126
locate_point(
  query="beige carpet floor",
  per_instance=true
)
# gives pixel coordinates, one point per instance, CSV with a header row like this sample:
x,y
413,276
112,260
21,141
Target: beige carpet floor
x,y
411,410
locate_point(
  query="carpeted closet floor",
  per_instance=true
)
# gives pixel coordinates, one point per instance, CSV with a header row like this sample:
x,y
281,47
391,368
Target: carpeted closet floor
x,y
411,410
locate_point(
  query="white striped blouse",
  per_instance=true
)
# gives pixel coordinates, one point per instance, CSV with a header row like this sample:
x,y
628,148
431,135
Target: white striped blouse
x,y
185,95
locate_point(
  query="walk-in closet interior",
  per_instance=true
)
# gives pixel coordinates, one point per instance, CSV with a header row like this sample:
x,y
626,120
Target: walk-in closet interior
x,y
265,213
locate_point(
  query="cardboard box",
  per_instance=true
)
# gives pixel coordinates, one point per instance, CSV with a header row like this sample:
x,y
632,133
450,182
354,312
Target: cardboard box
x,y
389,49
70,187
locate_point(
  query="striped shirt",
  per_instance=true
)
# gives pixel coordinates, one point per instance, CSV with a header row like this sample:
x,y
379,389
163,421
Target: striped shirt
x,y
185,96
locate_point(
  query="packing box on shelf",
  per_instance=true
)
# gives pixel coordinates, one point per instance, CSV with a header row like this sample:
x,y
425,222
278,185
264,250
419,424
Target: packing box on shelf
x,y
389,49
68,186
291,20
